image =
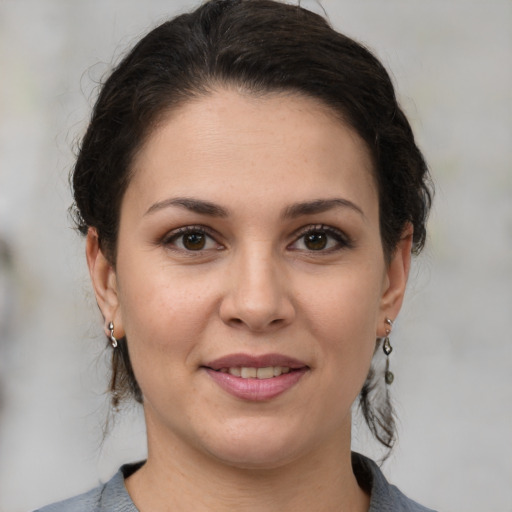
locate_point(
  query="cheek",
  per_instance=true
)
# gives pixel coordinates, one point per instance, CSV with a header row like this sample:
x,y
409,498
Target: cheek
x,y
163,312
345,299
343,318
163,327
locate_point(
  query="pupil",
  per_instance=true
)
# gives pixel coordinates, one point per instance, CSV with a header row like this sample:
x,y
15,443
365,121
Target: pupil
x,y
316,241
194,241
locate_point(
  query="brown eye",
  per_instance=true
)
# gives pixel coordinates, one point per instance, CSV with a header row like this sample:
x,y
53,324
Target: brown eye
x,y
194,241
316,240
190,239
321,239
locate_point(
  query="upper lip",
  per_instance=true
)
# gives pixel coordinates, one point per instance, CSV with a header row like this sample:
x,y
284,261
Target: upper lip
x,y
250,361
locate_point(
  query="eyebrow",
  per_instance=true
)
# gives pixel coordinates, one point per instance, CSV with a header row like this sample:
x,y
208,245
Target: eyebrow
x,y
293,211
319,206
194,205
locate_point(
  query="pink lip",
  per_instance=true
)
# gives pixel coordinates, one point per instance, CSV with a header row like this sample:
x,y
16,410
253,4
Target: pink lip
x,y
257,390
263,361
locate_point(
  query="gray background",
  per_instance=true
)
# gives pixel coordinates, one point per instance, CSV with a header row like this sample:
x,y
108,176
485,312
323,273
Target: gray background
x,y
452,61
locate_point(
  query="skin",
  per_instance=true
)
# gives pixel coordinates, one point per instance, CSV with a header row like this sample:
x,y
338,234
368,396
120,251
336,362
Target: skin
x,y
256,287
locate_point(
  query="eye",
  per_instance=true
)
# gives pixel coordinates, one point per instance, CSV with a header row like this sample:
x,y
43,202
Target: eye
x,y
316,241
191,238
320,238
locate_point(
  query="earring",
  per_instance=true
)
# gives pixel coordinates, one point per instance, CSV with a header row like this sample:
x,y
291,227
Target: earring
x,y
387,348
113,340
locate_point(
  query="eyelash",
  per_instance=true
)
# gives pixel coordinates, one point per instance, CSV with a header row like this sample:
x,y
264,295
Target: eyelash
x,y
341,239
171,238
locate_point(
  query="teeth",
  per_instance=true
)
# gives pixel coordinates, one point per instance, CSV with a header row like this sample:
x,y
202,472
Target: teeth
x,y
265,373
248,373
256,373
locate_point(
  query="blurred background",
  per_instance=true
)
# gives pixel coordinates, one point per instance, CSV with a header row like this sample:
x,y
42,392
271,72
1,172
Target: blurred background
x,y
452,63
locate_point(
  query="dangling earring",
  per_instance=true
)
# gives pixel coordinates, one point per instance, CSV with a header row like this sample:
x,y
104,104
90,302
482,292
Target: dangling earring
x,y
387,348
113,340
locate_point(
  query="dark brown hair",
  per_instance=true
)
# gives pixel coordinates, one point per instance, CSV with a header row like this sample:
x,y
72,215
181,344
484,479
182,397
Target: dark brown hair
x,y
259,46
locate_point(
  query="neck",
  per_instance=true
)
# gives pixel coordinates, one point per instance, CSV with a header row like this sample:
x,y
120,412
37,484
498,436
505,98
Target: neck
x,y
177,478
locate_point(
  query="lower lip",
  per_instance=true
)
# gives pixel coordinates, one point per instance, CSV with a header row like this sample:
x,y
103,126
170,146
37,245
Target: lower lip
x,y
257,390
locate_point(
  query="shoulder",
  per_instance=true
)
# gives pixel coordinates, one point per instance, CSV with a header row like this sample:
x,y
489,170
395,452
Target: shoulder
x,y
109,497
384,496
403,503
87,502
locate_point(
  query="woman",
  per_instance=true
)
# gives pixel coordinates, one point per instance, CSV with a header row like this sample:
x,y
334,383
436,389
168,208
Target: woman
x,y
251,194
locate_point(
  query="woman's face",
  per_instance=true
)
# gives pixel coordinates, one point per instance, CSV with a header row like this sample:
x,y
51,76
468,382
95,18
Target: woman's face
x,y
250,279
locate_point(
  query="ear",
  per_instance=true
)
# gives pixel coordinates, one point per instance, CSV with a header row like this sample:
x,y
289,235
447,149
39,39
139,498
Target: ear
x,y
104,282
396,279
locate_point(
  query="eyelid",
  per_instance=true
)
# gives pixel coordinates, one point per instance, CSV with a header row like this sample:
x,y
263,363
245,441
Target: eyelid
x,y
174,234
341,237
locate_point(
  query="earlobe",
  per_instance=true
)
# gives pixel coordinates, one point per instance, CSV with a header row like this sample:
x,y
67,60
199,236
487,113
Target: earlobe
x,y
104,281
396,276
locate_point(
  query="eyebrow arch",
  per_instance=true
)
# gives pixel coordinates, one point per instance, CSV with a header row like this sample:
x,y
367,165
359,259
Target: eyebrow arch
x,y
188,203
319,206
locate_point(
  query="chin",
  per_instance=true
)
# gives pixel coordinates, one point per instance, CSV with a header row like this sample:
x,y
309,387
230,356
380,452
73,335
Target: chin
x,y
257,457
261,446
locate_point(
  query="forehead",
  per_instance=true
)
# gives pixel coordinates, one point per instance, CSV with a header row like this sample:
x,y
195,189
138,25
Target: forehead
x,y
229,143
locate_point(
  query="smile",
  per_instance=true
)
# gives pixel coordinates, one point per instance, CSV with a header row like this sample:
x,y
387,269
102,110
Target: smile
x,y
247,372
256,378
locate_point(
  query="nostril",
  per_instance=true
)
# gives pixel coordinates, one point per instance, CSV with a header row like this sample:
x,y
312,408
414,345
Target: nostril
x,y
239,322
247,306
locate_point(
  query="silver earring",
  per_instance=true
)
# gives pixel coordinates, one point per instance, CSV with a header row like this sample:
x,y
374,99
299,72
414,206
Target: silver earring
x,y
387,348
113,340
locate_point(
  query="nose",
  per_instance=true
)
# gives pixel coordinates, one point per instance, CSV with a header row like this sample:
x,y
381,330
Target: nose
x,y
257,296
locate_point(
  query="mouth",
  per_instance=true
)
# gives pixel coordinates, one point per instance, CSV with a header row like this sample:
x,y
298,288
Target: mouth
x,y
248,366
256,378
248,372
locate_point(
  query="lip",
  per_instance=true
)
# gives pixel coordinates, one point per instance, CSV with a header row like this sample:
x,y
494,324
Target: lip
x,y
238,360
256,390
